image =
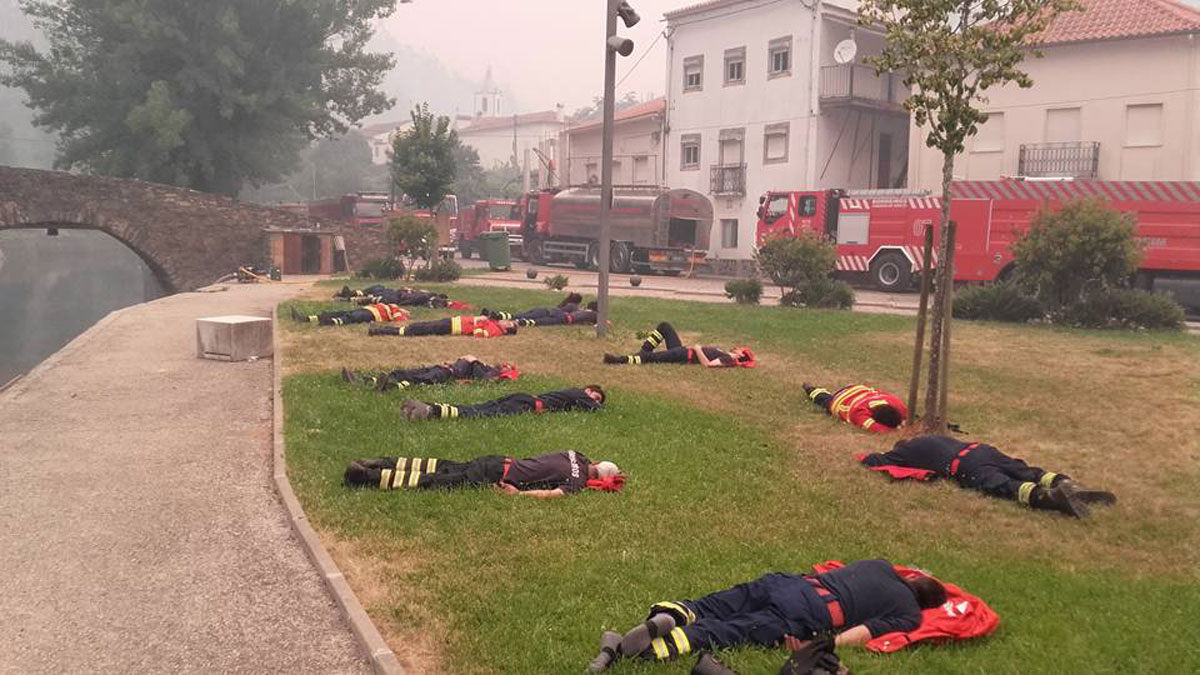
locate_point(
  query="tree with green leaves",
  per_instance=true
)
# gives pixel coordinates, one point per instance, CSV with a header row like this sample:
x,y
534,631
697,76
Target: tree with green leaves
x,y
208,95
423,158
951,52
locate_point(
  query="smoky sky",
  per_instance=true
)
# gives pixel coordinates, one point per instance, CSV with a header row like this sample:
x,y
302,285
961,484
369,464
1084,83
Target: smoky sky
x,y
542,52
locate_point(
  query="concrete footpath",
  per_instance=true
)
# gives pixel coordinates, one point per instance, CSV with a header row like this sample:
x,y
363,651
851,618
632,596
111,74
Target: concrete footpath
x,y
139,527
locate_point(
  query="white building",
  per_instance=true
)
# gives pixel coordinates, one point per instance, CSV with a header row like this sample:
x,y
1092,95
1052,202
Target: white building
x,y
637,147
757,101
380,137
1115,97
501,140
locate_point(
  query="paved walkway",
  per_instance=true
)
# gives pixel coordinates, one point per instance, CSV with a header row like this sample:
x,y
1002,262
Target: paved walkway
x,y
139,529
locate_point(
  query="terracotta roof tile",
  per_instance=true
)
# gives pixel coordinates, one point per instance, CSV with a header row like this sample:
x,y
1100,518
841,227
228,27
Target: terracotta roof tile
x,y
653,107
1117,19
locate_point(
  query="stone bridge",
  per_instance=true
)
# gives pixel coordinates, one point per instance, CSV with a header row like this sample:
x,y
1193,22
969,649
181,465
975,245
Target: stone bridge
x,y
188,238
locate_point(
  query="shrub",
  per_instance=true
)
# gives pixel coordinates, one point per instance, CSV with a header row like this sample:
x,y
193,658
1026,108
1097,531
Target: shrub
x,y
440,270
998,302
791,262
1083,247
412,237
381,268
556,282
744,291
1124,308
824,293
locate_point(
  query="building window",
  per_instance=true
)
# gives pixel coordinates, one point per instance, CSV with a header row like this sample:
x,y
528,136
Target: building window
x,y
641,169
729,233
1063,125
1143,125
990,137
693,73
591,172
731,147
775,143
689,152
735,66
779,57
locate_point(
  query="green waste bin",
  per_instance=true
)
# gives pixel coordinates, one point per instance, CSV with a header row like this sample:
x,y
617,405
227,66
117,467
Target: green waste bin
x,y
495,249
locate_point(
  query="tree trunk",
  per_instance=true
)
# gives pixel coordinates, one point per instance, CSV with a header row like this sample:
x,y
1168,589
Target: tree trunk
x,y
948,318
914,384
934,421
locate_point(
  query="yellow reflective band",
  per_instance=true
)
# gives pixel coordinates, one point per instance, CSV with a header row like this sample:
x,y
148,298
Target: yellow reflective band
x,y
817,392
687,614
357,292
401,468
637,360
431,465
403,330
375,313
337,322
456,325
660,649
868,423
877,403
413,477
402,384
1047,479
385,479
681,641
843,396
453,410
1025,491
655,337
416,465
313,318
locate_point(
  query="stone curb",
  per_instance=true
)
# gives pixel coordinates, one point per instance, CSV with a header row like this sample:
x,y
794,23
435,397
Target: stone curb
x,y
383,659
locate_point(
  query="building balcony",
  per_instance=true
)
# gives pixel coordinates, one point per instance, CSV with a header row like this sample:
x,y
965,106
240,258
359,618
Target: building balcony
x,y
727,179
856,86
1060,160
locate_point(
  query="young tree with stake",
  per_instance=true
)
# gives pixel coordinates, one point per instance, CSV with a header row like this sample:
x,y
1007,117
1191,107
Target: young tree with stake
x,y
951,52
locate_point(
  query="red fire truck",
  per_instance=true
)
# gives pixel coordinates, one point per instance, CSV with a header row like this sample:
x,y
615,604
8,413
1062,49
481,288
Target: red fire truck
x,y
879,233
361,209
488,215
653,229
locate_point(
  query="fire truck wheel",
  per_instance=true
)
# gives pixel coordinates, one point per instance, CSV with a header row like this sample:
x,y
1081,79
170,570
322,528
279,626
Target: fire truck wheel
x,y
593,258
618,258
891,272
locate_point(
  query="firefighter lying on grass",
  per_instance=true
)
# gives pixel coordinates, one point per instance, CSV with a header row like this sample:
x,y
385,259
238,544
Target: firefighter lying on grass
x,y
374,312
860,601
476,326
464,368
544,477
978,466
862,406
587,399
398,296
675,352
566,312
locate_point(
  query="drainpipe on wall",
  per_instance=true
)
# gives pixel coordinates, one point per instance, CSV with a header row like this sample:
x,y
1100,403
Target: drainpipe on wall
x,y
814,104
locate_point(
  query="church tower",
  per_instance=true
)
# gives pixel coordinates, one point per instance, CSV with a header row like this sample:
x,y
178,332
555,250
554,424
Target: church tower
x,y
487,99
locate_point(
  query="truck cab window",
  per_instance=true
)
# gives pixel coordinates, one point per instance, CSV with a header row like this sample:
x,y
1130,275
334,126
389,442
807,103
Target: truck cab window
x,y
776,208
808,207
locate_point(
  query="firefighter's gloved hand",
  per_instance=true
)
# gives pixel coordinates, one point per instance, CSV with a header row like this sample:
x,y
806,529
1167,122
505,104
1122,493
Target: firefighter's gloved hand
x,y
814,657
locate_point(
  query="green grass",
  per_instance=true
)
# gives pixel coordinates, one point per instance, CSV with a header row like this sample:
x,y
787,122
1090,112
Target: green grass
x,y
733,475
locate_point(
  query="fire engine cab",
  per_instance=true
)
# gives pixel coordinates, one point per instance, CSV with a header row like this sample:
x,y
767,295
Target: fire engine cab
x,y
879,233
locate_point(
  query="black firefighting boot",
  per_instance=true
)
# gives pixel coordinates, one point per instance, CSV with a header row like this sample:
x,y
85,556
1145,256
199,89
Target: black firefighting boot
x,y
349,376
376,329
708,664
613,359
1088,495
610,644
367,473
417,410
571,299
345,293
639,638
302,318
808,389
1058,498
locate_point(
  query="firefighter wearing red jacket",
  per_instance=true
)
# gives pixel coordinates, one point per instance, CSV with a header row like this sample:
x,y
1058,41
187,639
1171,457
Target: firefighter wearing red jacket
x,y
477,326
862,406
368,314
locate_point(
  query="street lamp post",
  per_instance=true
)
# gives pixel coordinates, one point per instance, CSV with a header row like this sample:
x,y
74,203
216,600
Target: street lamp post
x,y
613,45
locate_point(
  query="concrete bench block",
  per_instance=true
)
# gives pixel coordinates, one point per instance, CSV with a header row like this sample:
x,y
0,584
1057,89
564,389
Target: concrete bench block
x,y
233,338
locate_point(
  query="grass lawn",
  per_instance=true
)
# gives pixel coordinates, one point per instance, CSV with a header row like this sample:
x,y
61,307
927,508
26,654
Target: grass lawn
x,y
733,474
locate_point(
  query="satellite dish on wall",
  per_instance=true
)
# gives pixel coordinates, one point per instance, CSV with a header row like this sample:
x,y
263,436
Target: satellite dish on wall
x,y
845,51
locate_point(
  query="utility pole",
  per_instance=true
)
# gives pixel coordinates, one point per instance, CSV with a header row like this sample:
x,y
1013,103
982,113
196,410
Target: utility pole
x,y
613,45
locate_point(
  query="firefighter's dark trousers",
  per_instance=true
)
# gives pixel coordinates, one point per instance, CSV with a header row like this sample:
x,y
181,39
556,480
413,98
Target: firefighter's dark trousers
x,y
342,318
759,612
992,472
429,473
513,404
558,318
408,377
673,352
417,329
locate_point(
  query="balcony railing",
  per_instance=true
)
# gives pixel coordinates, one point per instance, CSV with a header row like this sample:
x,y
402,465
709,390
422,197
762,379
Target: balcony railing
x,y
1066,160
727,179
853,84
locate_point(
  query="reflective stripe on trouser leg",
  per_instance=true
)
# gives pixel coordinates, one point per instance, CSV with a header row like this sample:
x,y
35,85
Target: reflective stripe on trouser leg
x,y
1025,491
655,338
338,322
398,475
635,359
385,479
682,613
313,318
431,465
446,411
1047,479
673,645
414,474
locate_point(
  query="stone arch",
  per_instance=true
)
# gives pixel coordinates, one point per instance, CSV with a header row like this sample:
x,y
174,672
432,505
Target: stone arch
x,y
188,239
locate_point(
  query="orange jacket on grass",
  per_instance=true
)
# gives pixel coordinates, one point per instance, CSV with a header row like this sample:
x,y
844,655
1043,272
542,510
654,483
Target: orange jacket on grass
x,y
387,312
854,403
